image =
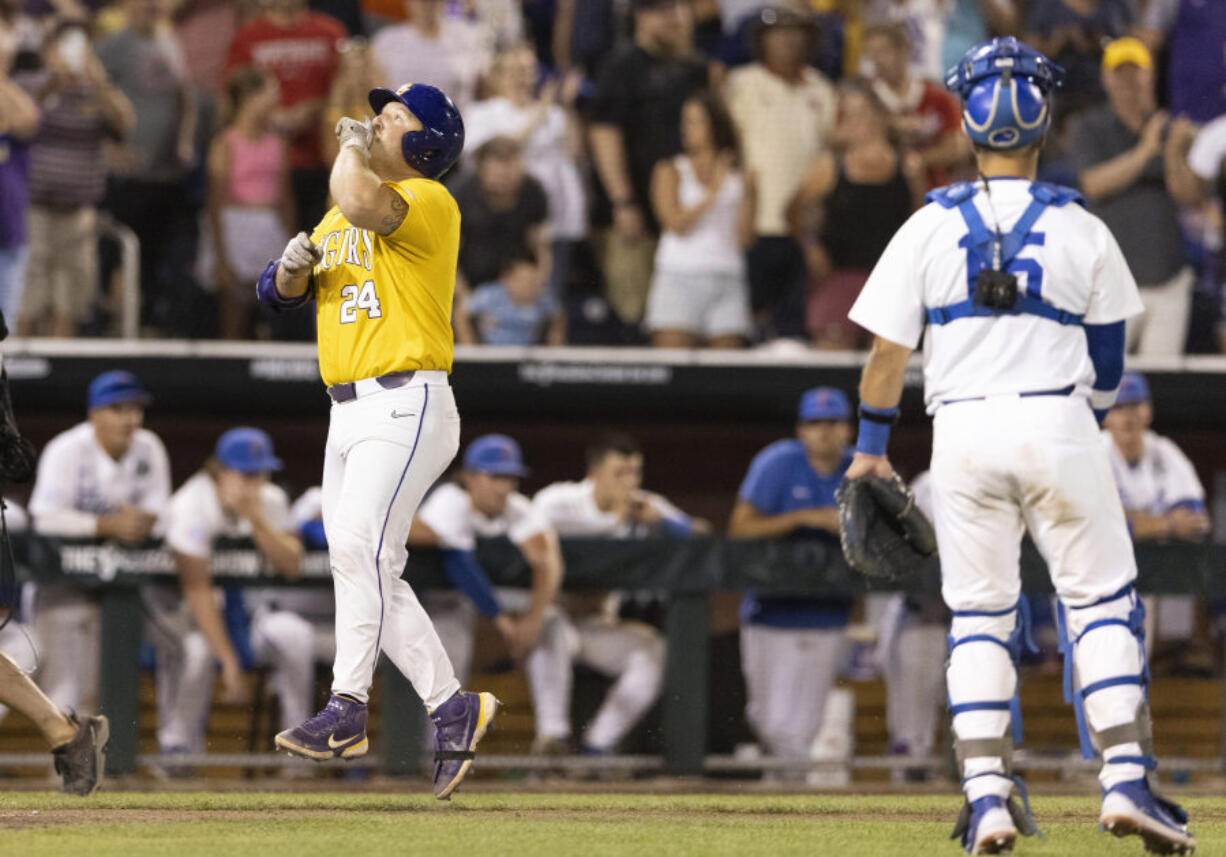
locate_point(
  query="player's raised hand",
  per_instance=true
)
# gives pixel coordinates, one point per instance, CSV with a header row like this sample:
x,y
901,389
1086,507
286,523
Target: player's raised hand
x,y
353,134
300,256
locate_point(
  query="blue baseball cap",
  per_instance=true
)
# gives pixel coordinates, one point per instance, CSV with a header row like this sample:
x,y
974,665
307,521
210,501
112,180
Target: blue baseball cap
x,y
116,387
1133,389
495,454
247,450
823,403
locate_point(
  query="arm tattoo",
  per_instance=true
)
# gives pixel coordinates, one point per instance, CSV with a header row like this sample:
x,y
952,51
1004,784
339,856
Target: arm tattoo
x,y
392,221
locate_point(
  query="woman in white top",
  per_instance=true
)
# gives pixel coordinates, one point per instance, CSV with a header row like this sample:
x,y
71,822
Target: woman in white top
x,y
705,205
543,121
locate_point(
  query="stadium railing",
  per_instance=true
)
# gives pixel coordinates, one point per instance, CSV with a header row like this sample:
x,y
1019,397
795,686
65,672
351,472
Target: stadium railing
x,y
687,570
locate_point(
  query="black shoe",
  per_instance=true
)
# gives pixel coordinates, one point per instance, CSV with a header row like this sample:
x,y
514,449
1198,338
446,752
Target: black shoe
x,y
82,761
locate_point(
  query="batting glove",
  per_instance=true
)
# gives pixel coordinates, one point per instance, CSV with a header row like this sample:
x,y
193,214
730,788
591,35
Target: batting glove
x,y
353,134
300,256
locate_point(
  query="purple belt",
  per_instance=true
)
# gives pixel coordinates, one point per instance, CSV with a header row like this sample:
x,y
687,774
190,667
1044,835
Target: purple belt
x,y
348,391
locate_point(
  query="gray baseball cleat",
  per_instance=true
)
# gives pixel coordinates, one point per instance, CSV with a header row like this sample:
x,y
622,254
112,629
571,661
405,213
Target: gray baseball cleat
x,y
82,761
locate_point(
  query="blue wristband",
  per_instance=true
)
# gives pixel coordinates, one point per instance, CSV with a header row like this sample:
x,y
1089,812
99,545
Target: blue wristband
x,y
874,434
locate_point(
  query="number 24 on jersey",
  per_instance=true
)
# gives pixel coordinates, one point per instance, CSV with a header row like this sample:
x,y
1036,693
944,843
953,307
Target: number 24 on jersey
x,y
354,298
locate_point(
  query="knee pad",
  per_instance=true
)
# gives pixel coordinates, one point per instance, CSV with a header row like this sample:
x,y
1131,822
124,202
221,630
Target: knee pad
x,y
985,631
1122,609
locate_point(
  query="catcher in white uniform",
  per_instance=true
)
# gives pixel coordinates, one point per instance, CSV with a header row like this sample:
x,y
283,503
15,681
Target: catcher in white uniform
x,y
230,497
1162,495
105,478
1020,296
608,503
484,503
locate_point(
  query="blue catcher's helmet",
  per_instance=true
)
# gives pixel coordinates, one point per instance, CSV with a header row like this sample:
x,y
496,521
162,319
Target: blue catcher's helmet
x,y
434,149
1004,85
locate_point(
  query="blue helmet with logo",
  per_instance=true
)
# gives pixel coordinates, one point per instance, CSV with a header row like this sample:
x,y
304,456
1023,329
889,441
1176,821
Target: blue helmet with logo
x,y
1005,86
432,150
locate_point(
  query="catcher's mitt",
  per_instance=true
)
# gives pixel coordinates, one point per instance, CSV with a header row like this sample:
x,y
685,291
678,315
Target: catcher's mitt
x,y
883,532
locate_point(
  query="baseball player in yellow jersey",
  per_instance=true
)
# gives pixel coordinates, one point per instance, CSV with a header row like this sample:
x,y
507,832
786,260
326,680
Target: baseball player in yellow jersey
x,y
381,266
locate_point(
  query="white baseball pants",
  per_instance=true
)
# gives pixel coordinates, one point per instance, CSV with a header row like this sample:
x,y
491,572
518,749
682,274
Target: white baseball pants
x,y
1001,466
187,670
384,450
788,675
631,653
67,625
912,657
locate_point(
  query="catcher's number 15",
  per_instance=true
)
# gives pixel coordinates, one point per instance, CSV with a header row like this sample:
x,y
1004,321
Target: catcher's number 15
x,y
354,298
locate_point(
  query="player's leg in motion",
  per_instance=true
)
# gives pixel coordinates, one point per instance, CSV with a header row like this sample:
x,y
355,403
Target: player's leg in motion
x,y
1076,519
979,530
77,745
377,468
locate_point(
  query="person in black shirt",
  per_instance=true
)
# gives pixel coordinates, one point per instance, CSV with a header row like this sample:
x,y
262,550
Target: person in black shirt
x,y
636,120
503,212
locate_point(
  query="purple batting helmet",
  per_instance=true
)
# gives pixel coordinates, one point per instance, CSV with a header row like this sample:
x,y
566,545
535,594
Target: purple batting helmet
x,y
432,150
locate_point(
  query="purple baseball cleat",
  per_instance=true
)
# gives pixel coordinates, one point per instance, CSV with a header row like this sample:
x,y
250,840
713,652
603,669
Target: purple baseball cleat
x,y
338,730
460,723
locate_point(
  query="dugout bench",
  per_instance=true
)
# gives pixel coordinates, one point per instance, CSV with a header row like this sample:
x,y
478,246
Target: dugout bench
x,y
688,570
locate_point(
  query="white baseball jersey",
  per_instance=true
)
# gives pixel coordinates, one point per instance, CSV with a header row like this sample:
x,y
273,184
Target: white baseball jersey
x,y
570,508
196,517
449,512
1162,479
1077,267
77,481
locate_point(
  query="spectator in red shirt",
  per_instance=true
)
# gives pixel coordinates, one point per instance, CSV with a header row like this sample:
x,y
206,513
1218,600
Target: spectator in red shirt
x,y
299,48
925,117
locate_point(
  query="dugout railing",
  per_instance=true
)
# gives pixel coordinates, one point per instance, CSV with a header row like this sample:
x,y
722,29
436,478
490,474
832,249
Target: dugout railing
x,y
688,571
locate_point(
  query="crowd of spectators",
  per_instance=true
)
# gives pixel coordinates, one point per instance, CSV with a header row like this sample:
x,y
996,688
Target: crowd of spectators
x,y
684,173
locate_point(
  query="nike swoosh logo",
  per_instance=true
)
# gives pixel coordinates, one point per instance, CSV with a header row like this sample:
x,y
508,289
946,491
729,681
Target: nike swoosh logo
x,y
336,745
398,414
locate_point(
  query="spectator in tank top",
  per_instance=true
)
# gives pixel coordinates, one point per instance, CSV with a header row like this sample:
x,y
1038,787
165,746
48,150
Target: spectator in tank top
x,y
251,206
846,210
705,205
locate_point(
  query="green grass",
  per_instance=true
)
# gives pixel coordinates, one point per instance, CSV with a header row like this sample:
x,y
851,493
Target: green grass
x,y
534,825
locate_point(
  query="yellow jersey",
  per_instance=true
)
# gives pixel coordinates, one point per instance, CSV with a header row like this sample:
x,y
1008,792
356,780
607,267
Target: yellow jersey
x,y
383,302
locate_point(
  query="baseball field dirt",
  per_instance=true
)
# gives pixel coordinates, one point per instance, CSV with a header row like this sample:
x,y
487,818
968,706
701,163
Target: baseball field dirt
x,y
33,824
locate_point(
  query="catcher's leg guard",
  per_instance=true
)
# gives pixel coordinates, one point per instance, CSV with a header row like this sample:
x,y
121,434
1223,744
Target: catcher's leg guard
x,y
1105,679
984,646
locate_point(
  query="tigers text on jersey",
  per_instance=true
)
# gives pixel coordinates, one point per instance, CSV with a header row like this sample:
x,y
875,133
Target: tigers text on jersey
x,y
77,481
383,302
1159,481
1071,260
